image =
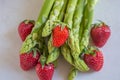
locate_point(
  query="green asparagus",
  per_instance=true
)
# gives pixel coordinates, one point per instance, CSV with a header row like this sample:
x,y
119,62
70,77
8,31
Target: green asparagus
x,y
61,16
53,52
88,18
65,50
70,12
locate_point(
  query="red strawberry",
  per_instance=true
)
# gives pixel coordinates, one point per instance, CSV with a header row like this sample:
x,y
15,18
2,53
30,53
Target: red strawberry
x,y
25,28
100,34
94,61
60,35
28,60
45,72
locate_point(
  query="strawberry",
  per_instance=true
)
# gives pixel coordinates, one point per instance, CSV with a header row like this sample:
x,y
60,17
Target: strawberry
x,y
60,35
100,34
94,61
45,72
25,28
28,60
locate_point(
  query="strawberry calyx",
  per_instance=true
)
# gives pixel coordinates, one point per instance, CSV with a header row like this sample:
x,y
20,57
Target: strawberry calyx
x,y
29,21
35,51
62,27
42,60
100,24
90,50
61,24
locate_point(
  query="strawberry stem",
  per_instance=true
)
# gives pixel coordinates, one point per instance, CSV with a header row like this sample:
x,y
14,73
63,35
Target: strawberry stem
x,y
34,53
42,60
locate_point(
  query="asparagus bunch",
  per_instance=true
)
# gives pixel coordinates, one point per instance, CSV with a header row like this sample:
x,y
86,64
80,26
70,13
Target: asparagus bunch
x,y
77,15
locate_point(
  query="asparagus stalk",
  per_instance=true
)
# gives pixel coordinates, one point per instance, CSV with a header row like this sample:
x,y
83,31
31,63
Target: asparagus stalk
x,y
74,34
70,12
50,24
53,52
56,9
61,16
65,50
88,18
35,37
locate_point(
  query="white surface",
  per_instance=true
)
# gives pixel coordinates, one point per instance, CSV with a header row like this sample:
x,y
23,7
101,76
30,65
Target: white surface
x,y
12,12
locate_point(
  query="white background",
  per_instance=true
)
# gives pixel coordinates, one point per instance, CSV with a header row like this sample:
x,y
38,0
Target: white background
x,y
12,12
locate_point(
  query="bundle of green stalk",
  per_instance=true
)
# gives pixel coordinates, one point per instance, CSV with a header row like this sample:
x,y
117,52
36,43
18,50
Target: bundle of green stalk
x,y
63,27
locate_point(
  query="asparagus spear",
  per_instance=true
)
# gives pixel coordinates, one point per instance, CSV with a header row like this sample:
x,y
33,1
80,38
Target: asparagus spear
x,y
74,33
35,37
53,52
69,17
70,12
61,16
65,50
50,24
88,18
